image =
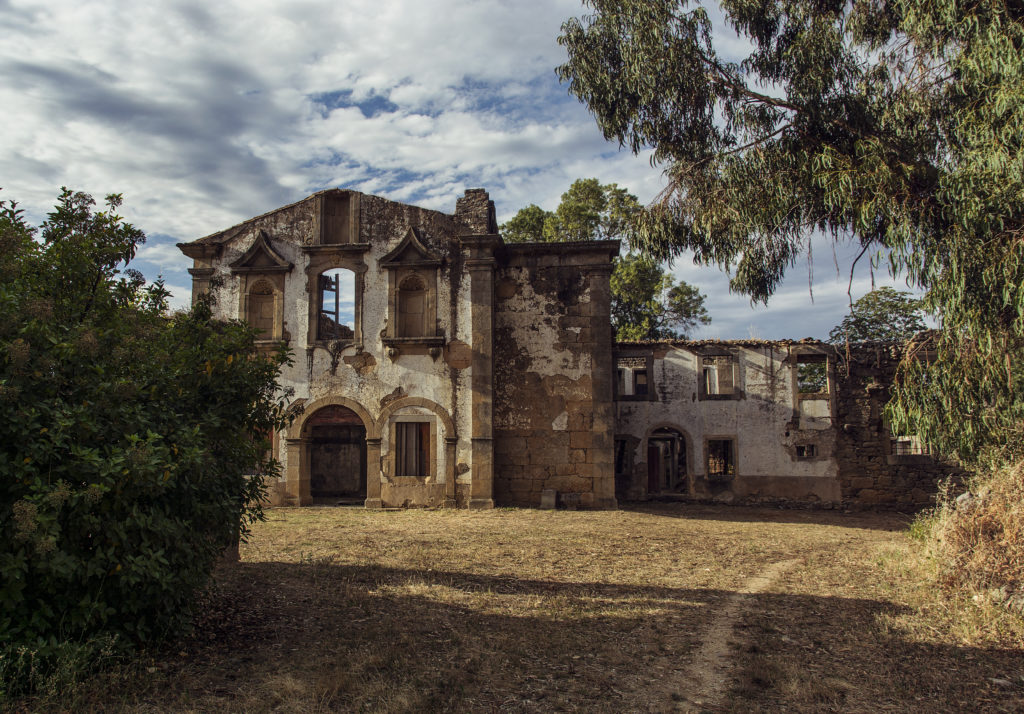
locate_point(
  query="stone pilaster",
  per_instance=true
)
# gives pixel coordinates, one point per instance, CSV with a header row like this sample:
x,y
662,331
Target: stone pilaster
x,y
297,472
373,479
480,264
602,449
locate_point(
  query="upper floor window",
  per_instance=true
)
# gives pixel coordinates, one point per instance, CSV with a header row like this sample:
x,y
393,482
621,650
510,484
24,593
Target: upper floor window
x,y
719,377
336,295
812,374
633,377
412,307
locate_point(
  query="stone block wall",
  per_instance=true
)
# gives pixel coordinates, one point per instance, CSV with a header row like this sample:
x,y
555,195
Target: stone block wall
x,y
870,475
553,417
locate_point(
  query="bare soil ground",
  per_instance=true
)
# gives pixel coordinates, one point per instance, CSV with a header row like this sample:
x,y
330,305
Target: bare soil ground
x,y
657,608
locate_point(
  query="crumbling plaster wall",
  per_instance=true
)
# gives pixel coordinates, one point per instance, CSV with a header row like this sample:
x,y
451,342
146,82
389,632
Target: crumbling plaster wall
x,y
366,374
761,419
552,393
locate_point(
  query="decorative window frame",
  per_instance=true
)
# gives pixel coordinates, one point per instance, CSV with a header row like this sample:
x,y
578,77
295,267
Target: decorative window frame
x,y
321,258
262,263
411,259
391,458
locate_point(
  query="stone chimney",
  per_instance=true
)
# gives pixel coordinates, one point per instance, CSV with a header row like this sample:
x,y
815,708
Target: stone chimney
x,y
475,212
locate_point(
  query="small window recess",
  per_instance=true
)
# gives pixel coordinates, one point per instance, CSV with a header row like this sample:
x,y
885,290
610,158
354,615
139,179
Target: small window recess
x,y
719,377
412,439
806,451
909,446
721,459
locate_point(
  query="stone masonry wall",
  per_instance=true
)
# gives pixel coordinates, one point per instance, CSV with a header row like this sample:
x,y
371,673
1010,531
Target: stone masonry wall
x,y
869,475
552,371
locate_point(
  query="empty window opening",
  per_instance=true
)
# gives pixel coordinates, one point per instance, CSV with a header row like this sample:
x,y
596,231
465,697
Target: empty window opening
x,y
812,374
260,314
806,451
412,308
719,375
640,382
721,458
909,446
631,377
411,442
337,305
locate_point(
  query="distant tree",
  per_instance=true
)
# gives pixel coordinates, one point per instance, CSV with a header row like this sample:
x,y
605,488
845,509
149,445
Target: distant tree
x,y
882,314
527,226
132,441
647,303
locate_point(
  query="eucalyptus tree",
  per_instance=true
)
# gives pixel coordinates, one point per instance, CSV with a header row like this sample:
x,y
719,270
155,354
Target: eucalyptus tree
x,y
895,124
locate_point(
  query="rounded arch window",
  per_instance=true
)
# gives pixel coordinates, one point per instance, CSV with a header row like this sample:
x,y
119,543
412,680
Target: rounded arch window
x,y
412,307
337,302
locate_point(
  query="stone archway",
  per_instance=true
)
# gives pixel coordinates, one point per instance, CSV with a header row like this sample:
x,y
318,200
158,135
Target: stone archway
x,y
332,429
337,455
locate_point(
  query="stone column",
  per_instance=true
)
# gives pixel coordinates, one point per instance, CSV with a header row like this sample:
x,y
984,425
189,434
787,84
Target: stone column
x,y
373,474
602,449
480,264
297,472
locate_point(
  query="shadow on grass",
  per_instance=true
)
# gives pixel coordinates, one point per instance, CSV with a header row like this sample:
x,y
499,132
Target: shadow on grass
x,y
869,520
320,636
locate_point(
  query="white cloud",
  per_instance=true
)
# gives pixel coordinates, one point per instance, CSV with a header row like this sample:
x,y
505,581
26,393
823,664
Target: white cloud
x,y
205,114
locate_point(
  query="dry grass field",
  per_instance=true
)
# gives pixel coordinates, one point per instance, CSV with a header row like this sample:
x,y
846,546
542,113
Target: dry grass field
x,y
650,609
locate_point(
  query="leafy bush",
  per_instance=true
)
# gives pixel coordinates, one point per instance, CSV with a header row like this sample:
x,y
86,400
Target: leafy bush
x,y
131,441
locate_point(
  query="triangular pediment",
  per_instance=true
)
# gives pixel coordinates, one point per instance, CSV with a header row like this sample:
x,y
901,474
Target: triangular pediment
x,y
410,251
261,258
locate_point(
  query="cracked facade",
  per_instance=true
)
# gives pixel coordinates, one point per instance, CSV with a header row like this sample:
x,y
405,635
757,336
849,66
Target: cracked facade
x,y
437,365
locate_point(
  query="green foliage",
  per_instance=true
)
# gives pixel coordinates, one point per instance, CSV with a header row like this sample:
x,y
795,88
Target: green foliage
x,y
647,304
129,438
882,314
899,122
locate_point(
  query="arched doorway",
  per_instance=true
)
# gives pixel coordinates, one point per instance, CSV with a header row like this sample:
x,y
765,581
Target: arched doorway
x,y
666,462
337,455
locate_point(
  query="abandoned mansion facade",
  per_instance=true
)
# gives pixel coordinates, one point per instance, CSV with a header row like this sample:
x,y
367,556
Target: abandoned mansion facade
x,y
437,365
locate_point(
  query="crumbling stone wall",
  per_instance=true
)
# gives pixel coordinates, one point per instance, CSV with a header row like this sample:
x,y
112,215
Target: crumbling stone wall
x,y
553,420
869,474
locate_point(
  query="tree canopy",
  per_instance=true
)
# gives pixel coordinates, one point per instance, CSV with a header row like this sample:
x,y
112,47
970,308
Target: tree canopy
x,y
132,441
896,124
882,314
647,302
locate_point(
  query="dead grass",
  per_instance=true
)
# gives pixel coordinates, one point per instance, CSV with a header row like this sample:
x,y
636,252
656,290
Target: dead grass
x,y
521,610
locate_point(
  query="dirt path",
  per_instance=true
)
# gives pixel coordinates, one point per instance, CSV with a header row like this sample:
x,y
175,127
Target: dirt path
x,y
708,675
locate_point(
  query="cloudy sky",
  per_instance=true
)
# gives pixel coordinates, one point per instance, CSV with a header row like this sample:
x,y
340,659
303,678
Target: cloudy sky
x,y
205,114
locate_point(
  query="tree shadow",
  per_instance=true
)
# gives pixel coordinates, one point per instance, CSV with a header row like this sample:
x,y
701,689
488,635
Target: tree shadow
x,y
333,636
867,520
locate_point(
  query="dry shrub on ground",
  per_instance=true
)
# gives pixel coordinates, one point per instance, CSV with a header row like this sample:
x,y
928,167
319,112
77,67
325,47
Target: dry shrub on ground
x,y
979,539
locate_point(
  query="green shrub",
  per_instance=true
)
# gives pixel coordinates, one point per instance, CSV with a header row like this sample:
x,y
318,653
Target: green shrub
x,y
131,441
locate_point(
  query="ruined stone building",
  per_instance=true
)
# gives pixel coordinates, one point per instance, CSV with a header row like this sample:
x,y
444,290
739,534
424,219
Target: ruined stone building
x,y
437,365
